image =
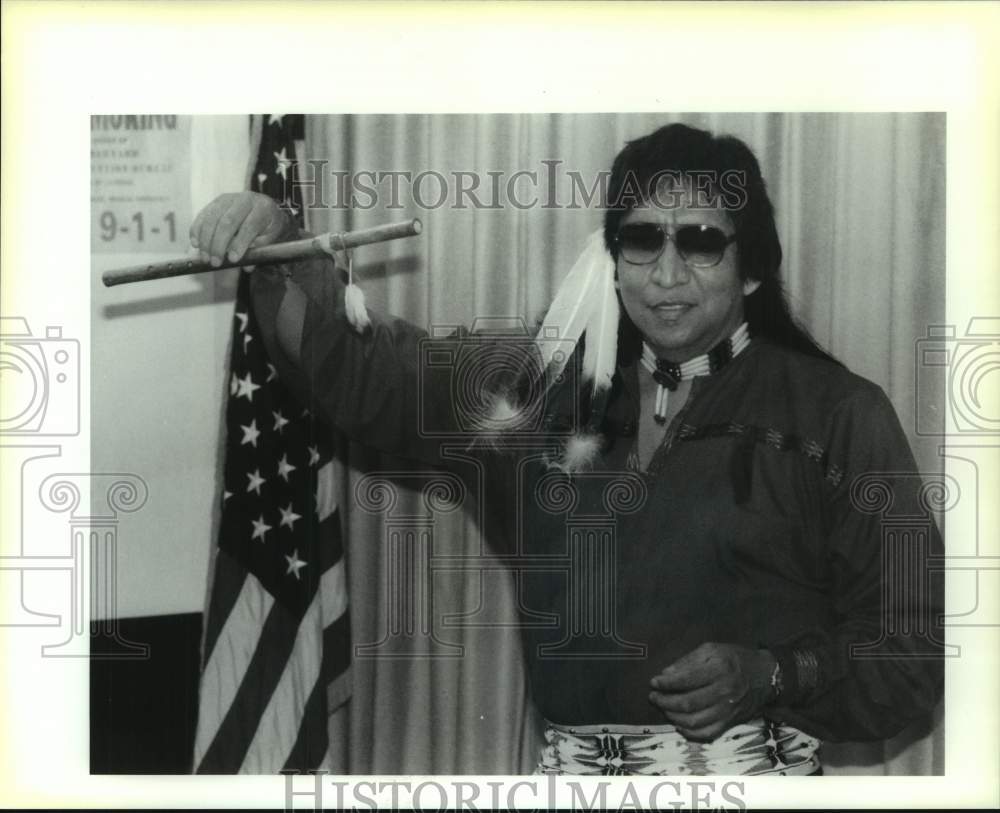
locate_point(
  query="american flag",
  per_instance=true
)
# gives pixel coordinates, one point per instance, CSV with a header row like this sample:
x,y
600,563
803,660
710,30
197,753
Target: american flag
x,y
276,651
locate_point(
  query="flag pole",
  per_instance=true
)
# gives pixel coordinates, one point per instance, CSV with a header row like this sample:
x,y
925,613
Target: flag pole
x,y
290,251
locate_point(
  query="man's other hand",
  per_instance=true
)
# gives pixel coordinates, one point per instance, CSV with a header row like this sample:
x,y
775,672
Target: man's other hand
x,y
713,688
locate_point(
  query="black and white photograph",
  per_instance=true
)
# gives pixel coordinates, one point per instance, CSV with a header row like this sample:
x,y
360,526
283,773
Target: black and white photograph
x,y
511,454
434,503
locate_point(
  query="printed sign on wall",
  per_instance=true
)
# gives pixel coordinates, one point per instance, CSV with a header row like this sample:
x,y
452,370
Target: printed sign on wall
x,y
140,184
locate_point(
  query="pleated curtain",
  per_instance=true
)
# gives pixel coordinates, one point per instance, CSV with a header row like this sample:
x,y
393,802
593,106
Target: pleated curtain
x,y
860,202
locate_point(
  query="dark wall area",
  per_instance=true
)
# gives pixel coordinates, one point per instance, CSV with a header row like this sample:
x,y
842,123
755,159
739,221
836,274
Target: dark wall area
x,y
143,710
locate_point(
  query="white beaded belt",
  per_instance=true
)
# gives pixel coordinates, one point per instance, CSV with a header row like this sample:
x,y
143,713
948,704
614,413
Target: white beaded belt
x,y
753,748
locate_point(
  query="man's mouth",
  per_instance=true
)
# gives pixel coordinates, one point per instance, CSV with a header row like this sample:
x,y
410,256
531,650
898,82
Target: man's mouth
x,y
671,308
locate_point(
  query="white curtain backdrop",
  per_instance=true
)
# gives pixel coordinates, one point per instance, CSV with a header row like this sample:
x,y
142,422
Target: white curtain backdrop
x,y
860,209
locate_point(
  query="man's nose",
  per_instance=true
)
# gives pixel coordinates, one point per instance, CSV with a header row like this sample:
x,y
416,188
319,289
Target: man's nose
x,y
670,268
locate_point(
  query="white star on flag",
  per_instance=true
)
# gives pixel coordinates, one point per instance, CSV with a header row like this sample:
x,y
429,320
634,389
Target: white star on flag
x,y
247,338
288,517
250,433
243,321
226,495
256,481
295,564
245,387
260,528
283,163
261,177
276,118
279,421
271,373
285,468
313,456
233,385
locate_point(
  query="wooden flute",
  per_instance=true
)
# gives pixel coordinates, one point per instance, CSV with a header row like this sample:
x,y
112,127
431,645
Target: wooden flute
x,y
293,250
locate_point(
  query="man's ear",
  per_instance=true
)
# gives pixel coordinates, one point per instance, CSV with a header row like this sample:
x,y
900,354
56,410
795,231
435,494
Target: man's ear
x,y
750,285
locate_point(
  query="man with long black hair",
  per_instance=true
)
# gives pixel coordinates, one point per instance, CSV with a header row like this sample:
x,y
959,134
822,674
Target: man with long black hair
x,y
747,571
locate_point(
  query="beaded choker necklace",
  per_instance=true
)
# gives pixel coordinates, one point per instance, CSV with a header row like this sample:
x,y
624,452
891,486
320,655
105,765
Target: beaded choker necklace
x,y
668,375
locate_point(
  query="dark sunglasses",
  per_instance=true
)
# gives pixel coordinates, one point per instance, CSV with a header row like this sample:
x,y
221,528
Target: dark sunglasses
x,y
700,246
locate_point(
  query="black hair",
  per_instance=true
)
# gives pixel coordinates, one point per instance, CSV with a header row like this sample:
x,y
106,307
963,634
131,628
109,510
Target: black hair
x,y
729,170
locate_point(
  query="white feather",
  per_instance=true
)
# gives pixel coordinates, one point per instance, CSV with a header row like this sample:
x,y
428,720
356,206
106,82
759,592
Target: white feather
x,y
354,307
574,306
600,354
579,453
504,415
